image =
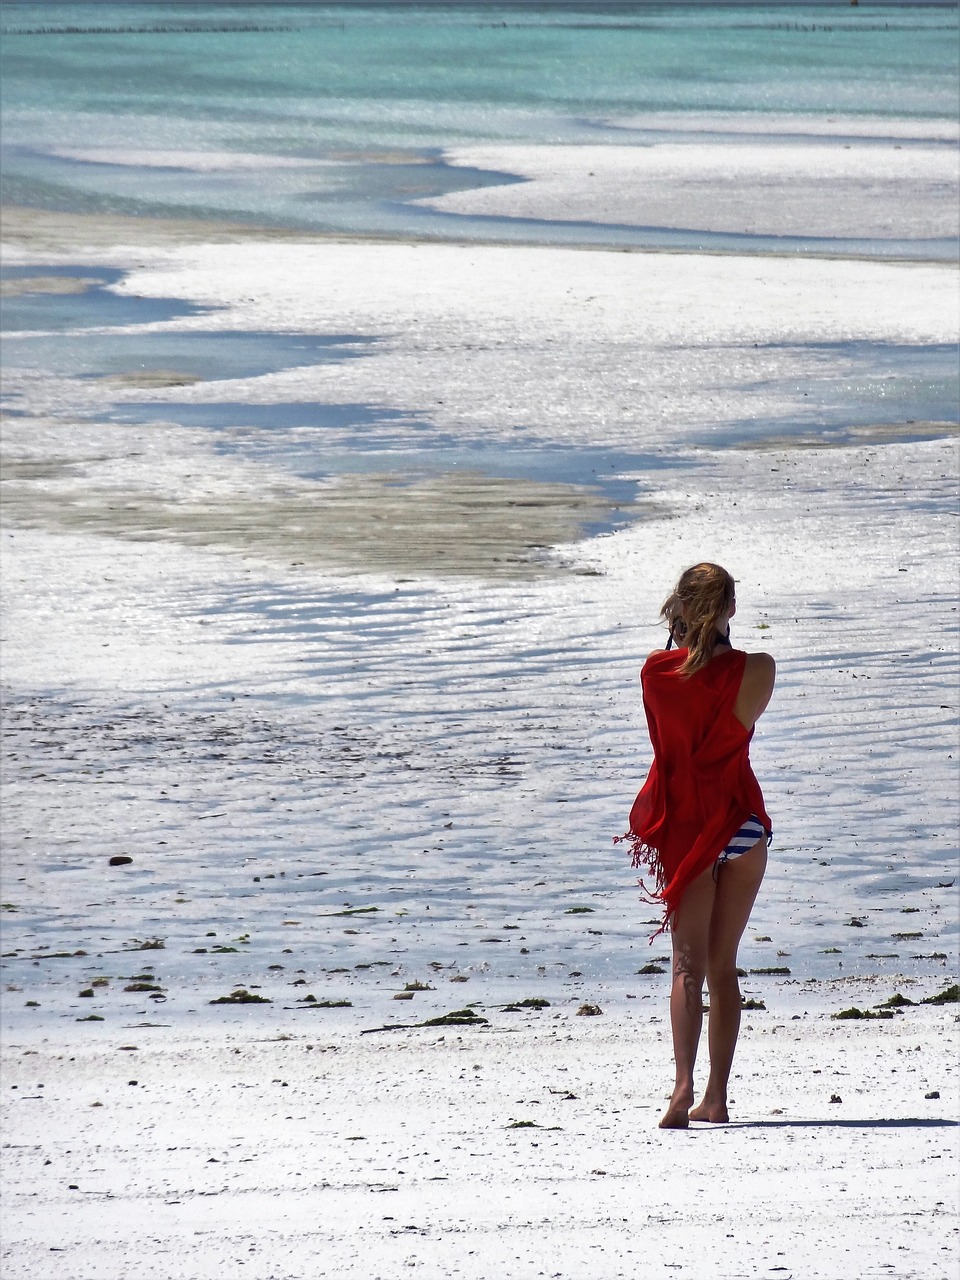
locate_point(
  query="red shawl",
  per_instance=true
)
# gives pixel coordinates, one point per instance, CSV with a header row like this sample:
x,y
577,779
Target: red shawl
x,y
700,789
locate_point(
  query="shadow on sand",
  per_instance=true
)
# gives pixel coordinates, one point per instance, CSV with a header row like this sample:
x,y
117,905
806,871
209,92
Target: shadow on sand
x,y
905,1122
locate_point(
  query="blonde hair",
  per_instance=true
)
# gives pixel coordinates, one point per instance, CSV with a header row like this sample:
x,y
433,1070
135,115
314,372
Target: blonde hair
x,y
703,595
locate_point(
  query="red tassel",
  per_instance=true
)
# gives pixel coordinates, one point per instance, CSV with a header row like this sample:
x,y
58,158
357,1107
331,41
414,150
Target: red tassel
x,y
644,855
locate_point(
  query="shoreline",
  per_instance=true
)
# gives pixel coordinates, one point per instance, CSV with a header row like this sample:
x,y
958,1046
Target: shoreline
x,y
25,230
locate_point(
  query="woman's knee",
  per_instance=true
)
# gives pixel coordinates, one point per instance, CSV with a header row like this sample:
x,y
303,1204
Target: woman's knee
x,y
689,971
722,972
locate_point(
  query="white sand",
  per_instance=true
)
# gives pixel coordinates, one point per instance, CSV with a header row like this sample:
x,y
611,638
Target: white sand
x,y
275,743
768,187
329,1154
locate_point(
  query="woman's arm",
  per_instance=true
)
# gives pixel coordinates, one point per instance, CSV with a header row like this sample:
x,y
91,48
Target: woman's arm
x,y
756,688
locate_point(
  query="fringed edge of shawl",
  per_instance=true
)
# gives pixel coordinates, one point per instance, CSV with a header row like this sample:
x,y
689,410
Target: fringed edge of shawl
x,y
643,855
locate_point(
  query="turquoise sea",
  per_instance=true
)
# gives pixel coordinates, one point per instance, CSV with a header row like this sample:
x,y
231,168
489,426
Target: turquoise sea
x,y
333,117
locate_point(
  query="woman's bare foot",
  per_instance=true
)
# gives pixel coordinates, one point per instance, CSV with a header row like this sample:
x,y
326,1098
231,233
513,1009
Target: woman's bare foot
x,y
677,1113
711,1112
675,1118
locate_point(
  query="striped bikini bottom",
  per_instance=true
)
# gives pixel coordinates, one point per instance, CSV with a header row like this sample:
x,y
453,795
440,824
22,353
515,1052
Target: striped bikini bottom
x,y
748,835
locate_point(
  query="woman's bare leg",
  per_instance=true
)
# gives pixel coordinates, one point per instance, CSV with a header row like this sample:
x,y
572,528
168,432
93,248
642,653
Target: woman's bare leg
x,y
690,930
737,884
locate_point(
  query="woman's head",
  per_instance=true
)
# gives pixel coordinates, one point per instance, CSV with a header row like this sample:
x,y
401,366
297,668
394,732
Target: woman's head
x,y
704,596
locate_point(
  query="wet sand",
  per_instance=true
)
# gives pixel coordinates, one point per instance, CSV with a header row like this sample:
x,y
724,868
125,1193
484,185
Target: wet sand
x,y
448,524
878,433
46,231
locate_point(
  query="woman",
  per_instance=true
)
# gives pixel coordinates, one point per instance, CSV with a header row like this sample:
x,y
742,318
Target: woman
x,y
700,823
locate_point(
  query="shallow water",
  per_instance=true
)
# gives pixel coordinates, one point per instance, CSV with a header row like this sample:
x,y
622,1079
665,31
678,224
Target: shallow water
x,y
842,386
519,230
314,440
84,300
335,117
208,355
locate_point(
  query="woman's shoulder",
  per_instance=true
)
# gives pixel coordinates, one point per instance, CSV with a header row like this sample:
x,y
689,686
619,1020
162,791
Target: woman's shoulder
x,y
759,672
759,665
663,658
659,667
